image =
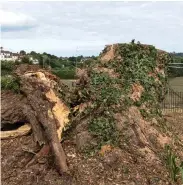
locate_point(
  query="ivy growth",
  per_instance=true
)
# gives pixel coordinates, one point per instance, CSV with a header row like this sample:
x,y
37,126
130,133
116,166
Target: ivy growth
x,y
132,64
104,129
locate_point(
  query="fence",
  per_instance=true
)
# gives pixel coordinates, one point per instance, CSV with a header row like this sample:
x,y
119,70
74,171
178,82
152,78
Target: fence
x,y
173,101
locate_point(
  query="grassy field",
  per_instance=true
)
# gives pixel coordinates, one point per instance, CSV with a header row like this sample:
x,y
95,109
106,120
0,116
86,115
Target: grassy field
x,y
174,98
176,84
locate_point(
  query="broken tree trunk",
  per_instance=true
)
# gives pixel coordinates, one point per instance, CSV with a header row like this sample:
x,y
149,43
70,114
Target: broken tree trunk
x,y
44,108
39,105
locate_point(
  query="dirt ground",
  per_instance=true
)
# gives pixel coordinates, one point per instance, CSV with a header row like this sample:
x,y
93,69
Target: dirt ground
x,y
116,167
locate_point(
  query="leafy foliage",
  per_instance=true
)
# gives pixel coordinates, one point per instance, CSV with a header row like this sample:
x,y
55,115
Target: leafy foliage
x,y
104,129
25,59
177,57
22,52
63,67
7,67
10,83
64,73
175,170
109,86
174,70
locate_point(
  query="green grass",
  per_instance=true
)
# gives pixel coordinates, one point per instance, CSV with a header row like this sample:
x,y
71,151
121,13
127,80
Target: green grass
x,y
175,99
8,82
176,84
66,73
176,170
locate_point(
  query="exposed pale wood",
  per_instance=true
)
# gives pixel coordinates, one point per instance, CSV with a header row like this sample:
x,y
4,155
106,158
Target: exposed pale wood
x,y
21,131
46,112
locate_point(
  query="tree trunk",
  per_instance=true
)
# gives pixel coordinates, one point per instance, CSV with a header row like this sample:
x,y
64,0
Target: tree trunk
x,y
38,105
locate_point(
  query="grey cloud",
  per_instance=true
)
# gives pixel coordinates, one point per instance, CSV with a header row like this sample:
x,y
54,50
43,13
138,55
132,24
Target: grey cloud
x,y
75,24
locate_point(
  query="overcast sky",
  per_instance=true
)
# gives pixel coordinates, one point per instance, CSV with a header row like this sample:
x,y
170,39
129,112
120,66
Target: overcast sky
x,y
61,27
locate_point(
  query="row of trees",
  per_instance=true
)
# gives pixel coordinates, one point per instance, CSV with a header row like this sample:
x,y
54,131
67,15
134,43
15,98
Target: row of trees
x,y
177,57
177,54
64,67
176,70
71,61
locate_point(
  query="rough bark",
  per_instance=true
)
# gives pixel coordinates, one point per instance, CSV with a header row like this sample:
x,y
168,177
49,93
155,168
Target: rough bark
x,y
43,112
39,105
38,132
45,117
11,108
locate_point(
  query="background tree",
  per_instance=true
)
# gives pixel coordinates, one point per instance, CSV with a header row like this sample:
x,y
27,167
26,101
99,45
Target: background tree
x,y
25,59
33,53
22,52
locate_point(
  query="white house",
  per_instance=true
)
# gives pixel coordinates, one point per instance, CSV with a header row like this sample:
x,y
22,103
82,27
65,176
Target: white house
x,y
33,60
7,55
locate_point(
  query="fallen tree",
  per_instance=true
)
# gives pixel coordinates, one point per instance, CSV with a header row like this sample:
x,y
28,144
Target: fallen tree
x,y
39,105
115,103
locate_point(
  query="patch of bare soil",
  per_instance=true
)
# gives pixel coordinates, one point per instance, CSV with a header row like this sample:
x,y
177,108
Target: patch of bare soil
x,y
174,119
175,125
109,55
114,166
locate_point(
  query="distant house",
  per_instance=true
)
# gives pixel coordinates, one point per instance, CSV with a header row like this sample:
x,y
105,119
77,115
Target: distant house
x,y
15,56
33,60
7,55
